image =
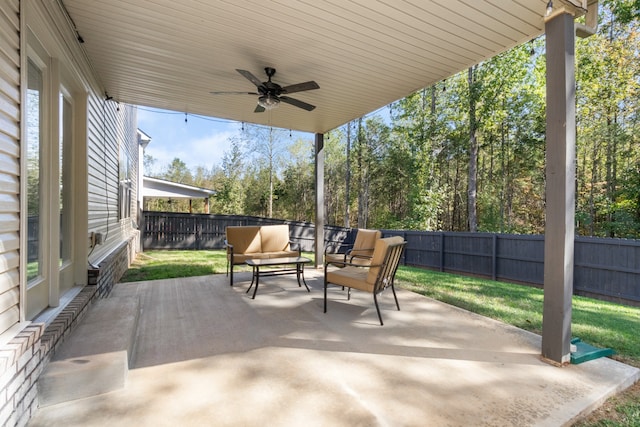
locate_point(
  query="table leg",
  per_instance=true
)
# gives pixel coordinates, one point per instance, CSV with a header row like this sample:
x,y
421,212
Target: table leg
x,y
300,273
257,281
253,278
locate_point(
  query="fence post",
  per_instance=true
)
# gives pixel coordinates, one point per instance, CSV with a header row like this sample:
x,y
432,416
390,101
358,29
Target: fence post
x,y
198,231
442,251
494,257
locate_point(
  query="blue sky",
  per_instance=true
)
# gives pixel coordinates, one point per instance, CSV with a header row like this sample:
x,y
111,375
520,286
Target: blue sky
x,y
201,141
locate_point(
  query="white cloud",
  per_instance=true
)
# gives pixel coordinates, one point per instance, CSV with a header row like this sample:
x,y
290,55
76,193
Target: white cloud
x,y
197,142
205,151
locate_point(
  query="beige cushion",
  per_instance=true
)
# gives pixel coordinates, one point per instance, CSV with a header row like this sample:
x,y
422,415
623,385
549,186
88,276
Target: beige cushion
x,y
282,254
244,239
275,238
353,277
241,258
378,256
328,258
365,242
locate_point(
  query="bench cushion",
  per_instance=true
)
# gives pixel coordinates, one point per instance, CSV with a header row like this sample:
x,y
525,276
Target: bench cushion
x,y
242,258
275,238
244,239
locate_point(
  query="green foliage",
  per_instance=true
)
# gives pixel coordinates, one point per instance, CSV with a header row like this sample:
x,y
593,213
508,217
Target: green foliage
x,y
229,198
608,75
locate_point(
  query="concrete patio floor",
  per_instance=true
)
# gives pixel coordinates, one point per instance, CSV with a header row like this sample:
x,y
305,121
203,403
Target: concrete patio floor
x,y
207,354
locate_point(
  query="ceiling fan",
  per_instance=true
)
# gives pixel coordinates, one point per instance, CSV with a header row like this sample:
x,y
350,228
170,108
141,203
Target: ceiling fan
x,y
270,94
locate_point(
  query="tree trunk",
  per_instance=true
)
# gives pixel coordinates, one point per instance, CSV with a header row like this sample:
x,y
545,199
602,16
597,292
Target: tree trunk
x,y
347,193
473,155
592,190
363,164
270,205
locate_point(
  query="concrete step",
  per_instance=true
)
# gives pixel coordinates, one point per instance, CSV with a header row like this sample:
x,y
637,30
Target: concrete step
x,y
96,357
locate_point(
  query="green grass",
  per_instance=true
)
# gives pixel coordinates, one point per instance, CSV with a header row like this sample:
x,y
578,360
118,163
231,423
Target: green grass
x,y
599,323
154,265
165,264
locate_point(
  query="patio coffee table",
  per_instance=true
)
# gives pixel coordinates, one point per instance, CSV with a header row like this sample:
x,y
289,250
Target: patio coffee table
x,y
299,263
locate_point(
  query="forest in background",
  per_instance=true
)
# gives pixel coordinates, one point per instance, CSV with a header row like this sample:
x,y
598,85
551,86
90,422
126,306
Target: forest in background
x,y
466,154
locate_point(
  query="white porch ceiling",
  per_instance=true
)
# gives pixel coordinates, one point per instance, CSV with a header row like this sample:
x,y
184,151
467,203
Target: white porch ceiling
x,y
364,54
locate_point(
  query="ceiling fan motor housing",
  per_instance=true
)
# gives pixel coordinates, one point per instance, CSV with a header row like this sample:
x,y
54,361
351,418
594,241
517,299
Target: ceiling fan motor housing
x,y
272,93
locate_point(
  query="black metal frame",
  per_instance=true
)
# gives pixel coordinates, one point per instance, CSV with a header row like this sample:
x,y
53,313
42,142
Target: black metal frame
x,y
299,271
229,248
385,278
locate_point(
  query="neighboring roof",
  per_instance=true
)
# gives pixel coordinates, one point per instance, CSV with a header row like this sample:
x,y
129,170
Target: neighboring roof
x,y
142,135
159,188
363,54
143,139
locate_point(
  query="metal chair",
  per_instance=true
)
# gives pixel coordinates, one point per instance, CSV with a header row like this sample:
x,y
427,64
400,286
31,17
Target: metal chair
x,y
373,278
360,252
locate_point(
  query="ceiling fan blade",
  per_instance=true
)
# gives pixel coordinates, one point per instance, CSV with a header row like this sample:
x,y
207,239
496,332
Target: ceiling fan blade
x,y
297,103
299,87
234,93
253,79
259,109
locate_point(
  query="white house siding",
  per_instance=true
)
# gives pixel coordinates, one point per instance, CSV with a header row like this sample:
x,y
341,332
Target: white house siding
x,y
9,163
26,347
109,130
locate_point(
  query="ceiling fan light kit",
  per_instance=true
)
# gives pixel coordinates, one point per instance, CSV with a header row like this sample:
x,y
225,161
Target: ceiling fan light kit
x,y
271,94
268,102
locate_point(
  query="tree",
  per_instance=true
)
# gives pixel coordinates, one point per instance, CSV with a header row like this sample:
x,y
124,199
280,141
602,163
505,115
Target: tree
x,y
148,163
229,192
608,75
295,194
178,171
267,142
334,176
473,152
347,179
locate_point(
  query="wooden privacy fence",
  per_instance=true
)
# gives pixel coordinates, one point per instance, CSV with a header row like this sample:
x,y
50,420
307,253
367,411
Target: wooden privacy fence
x,y
603,268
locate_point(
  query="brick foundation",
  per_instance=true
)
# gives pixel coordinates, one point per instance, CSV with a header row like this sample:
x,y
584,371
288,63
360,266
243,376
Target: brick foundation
x,y
24,357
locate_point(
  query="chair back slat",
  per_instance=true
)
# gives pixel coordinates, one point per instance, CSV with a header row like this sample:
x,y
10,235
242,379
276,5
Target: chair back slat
x,y
389,266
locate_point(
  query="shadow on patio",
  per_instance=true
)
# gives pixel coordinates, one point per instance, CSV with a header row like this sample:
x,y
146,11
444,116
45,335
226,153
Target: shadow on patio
x,y
207,354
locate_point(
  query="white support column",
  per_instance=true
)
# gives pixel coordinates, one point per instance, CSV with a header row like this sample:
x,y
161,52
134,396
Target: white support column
x,y
560,189
319,174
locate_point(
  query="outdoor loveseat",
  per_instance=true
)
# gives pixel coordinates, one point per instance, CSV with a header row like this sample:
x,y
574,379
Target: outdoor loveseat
x,y
257,241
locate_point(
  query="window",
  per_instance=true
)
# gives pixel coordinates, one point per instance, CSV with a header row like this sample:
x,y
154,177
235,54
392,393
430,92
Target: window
x,y
64,178
34,165
54,108
125,190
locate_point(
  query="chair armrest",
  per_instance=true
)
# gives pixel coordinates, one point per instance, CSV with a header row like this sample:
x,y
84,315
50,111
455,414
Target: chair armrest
x,y
351,257
346,264
360,249
228,246
293,244
336,244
